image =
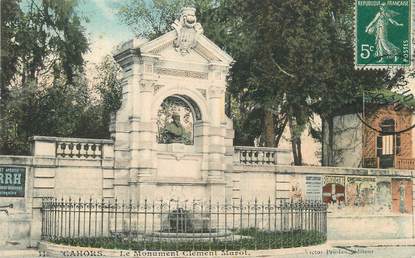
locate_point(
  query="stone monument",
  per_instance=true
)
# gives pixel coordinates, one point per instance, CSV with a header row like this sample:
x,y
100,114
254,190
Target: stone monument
x,y
185,65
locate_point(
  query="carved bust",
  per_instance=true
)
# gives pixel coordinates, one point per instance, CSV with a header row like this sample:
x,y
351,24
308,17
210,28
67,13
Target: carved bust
x,y
174,131
187,29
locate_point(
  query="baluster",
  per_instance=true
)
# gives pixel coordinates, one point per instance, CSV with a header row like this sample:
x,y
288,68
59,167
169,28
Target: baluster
x,y
251,157
244,156
63,147
58,150
93,148
82,150
86,148
267,157
259,156
100,150
71,146
79,149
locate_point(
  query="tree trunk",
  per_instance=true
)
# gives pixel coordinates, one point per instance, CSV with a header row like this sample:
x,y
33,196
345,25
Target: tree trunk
x,y
299,154
323,142
277,141
293,141
269,129
295,138
330,146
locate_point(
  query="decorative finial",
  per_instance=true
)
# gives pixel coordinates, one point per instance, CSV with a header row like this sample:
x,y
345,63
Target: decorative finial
x,y
187,29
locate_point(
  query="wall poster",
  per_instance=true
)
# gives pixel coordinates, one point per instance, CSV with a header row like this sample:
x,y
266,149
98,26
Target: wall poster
x,y
12,181
360,191
401,195
333,189
313,188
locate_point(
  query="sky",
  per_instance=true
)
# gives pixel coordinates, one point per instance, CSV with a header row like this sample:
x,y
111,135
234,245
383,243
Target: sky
x,y
104,29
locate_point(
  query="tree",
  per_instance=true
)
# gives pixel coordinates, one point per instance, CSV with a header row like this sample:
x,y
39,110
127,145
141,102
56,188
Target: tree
x,y
286,62
108,88
151,19
42,88
10,13
47,37
294,58
344,86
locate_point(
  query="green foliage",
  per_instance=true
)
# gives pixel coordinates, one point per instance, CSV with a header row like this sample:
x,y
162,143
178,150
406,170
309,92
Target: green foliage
x,y
150,19
60,109
253,239
43,91
388,97
294,58
10,13
44,36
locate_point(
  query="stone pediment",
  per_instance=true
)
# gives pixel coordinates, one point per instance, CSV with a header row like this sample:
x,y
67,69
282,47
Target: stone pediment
x,y
205,51
183,46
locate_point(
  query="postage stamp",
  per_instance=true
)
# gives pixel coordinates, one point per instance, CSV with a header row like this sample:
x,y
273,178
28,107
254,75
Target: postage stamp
x,y
383,34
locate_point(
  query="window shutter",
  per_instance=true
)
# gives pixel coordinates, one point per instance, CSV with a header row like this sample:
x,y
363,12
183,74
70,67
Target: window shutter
x,y
398,144
379,146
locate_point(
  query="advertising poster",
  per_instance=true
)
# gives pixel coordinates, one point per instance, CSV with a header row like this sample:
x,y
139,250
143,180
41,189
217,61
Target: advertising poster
x,y
360,191
401,196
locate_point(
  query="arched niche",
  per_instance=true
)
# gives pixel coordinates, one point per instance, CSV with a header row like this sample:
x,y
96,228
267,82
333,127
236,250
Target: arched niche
x,y
191,120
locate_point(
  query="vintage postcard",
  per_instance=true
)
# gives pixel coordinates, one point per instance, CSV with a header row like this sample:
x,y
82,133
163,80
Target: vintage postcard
x,y
207,128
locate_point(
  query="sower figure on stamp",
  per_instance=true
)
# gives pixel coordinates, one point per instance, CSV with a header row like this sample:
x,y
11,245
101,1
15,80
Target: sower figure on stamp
x,y
174,131
379,27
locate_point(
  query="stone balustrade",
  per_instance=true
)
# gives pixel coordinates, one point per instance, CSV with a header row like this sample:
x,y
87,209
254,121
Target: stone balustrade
x,y
261,155
405,163
72,148
400,163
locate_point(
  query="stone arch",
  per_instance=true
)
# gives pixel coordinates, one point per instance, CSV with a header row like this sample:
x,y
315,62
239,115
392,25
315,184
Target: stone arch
x,y
195,99
387,124
191,98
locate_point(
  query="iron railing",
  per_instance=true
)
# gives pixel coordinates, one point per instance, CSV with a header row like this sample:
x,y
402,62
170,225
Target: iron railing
x,y
164,225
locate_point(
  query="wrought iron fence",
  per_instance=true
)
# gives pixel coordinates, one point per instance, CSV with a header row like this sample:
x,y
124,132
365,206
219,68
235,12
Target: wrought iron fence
x,y
193,225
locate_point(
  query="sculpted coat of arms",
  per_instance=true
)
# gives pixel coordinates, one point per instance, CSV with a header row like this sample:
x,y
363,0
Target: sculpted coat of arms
x,y
188,30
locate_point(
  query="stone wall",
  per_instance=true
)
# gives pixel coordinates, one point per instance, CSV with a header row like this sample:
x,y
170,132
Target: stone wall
x,y
15,222
59,167
286,183
69,167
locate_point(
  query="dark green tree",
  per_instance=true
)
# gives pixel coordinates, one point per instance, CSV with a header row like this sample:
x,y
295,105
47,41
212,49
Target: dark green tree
x,y
42,86
151,19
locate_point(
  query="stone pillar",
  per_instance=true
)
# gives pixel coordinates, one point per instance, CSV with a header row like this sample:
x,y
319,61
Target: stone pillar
x,y
43,146
123,132
108,170
216,148
145,149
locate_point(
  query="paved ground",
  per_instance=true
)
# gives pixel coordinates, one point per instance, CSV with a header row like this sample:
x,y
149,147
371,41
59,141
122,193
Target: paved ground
x,y
332,249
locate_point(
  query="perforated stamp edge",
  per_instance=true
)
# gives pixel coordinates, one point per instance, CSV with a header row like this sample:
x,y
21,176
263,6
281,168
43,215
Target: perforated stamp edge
x,y
385,66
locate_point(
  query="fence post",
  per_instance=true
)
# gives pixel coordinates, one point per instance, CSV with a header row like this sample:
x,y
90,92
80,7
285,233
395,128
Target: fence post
x,y
145,222
89,216
161,221
79,216
102,217
43,212
255,223
210,223
115,215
